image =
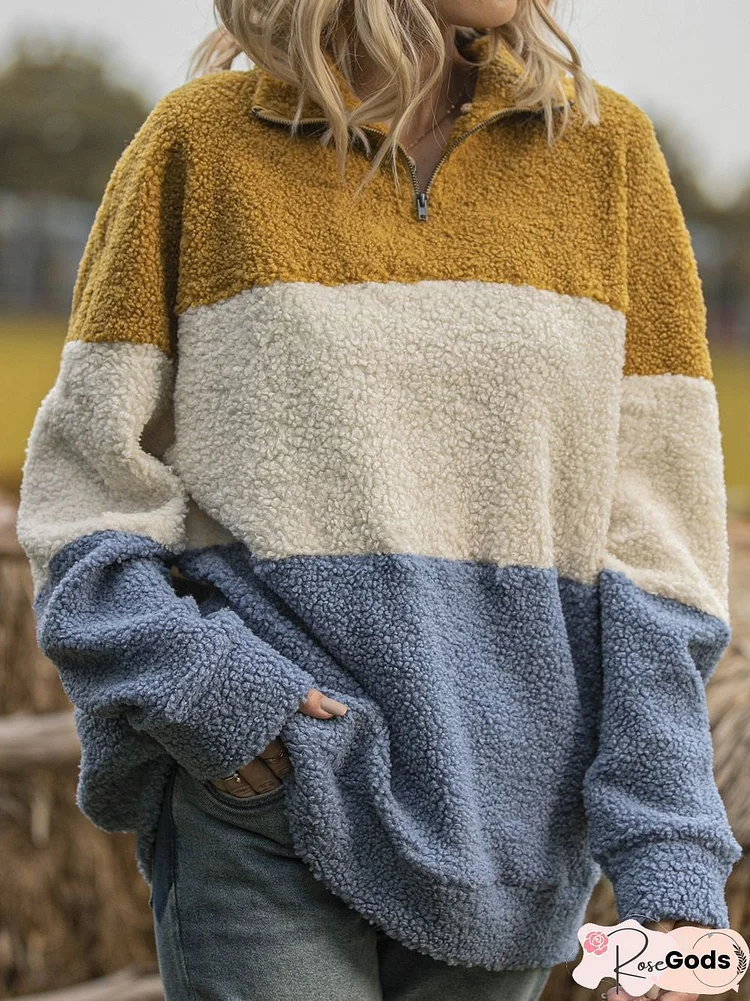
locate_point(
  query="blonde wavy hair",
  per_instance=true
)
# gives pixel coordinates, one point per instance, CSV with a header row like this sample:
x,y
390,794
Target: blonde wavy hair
x,y
289,39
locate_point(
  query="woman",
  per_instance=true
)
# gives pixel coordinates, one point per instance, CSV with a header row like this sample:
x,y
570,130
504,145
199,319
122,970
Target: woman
x,y
378,529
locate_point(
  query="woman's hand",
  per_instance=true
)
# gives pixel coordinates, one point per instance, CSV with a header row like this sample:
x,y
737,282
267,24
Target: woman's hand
x,y
666,925
267,770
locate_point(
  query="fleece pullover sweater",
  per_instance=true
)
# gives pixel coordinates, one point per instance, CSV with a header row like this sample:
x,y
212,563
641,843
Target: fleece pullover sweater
x,y
459,468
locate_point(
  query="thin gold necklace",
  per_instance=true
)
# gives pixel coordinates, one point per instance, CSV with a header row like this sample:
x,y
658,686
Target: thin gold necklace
x,y
464,94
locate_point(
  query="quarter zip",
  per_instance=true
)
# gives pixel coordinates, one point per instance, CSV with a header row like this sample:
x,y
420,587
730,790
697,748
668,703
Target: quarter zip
x,y
421,198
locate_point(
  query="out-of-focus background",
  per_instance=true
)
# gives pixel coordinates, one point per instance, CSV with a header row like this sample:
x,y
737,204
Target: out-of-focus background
x,y
76,81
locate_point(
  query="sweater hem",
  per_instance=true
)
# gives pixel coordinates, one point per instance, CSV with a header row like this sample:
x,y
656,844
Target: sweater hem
x,y
496,926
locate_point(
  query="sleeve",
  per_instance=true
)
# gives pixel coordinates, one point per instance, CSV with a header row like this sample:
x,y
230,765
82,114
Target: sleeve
x,y
657,824
102,514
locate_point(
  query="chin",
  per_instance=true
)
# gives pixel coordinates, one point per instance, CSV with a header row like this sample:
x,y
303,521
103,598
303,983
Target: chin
x,y
480,14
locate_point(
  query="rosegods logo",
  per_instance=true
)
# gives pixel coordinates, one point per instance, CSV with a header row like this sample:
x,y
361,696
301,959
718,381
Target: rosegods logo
x,y
687,959
708,961
596,942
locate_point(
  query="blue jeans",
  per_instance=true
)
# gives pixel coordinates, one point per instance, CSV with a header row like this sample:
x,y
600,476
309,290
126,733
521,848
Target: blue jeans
x,y
238,916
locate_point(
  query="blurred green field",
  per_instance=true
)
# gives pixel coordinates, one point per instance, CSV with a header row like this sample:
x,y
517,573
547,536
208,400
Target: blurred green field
x,y
30,351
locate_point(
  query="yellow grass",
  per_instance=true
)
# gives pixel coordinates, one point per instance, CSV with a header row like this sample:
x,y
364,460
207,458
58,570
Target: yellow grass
x,y
30,352
732,377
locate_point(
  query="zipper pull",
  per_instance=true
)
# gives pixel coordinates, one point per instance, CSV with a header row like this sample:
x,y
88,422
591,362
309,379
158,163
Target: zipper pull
x,y
422,205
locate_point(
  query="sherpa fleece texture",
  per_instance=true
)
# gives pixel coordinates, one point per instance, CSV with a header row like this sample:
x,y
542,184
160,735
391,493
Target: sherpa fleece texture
x,y
462,473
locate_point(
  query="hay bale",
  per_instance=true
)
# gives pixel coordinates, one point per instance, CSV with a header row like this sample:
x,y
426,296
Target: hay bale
x,y
131,984
72,905
728,692
28,681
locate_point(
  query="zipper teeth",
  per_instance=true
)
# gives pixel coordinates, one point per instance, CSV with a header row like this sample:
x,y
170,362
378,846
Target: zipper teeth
x,y
449,148
456,142
409,160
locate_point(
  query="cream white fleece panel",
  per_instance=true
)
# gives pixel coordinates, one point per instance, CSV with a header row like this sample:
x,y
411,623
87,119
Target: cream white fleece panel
x,y
668,525
87,468
445,418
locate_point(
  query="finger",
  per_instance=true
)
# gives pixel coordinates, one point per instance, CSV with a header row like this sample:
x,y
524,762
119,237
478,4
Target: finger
x,y
665,925
694,924
259,776
319,705
334,706
624,995
276,756
613,994
311,705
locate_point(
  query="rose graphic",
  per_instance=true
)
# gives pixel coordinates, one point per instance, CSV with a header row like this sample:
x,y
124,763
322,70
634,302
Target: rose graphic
x,y
596,942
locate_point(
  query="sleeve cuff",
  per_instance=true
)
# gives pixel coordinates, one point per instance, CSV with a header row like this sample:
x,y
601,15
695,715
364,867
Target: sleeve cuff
x,y
671,879
240,697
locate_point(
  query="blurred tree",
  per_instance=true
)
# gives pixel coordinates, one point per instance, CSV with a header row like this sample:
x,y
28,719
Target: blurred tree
x,y
721,239
679,154
63,121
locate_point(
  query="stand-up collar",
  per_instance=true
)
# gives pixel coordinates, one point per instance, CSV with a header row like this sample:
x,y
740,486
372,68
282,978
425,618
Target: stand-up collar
x,y
493,90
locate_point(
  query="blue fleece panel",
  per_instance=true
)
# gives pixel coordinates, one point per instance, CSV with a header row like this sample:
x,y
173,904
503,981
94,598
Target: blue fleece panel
x,y
128,648
455,784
